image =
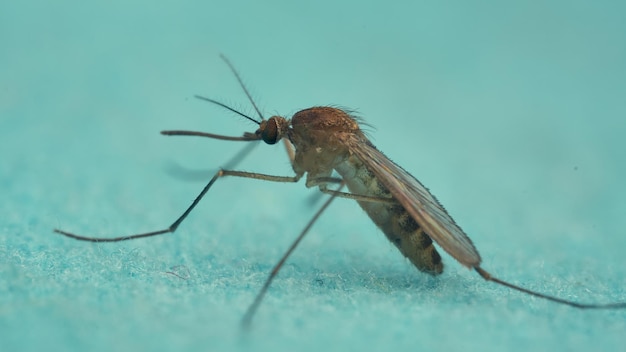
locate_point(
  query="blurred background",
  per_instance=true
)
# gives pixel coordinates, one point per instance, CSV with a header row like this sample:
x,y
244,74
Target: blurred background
x,y
512,114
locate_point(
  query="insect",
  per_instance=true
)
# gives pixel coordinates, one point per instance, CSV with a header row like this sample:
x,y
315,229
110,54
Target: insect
x,y
325,141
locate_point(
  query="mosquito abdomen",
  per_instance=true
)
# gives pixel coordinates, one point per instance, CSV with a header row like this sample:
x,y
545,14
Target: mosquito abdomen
x,y
391,217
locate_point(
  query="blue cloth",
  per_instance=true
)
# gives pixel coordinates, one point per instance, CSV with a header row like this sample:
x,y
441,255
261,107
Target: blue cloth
x,y
513,115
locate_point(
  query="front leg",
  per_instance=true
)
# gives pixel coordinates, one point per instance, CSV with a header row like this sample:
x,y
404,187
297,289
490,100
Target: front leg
x,y
181,218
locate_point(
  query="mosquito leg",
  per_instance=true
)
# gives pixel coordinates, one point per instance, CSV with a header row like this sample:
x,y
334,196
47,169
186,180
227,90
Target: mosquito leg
x,y
315,197
247,318
487,276
323,181
264,177
358,197
195,202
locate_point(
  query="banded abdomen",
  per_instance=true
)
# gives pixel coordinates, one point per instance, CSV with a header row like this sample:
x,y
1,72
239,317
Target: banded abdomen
x,y
399,227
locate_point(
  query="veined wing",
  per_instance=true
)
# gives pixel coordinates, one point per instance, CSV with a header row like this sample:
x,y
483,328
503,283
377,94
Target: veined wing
x,y
417,200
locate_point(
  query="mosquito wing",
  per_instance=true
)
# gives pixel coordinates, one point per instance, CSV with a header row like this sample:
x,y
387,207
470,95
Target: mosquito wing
x,y
417,200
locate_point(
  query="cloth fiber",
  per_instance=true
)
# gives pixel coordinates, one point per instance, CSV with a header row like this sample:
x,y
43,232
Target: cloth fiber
x,y
512,115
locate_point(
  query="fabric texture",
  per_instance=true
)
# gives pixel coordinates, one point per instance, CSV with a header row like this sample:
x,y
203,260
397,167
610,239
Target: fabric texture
x,y
512,115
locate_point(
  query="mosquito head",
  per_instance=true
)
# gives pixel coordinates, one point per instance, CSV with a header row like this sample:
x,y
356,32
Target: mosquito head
x,y
272,130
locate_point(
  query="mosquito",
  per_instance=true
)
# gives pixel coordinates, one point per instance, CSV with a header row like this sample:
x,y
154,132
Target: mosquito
x,y
326,141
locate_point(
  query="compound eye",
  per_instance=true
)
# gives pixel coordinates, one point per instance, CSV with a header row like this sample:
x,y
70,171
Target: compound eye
x,y
269,131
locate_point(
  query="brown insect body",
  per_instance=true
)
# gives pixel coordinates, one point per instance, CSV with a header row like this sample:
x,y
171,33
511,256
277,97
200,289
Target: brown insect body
x,y
393,219
328,140
321,137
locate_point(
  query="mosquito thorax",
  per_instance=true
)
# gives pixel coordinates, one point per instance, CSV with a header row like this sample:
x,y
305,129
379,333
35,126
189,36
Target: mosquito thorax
x,y
323,118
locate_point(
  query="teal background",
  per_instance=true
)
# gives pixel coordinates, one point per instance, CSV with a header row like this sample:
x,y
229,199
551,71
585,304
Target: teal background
x,y
512,114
